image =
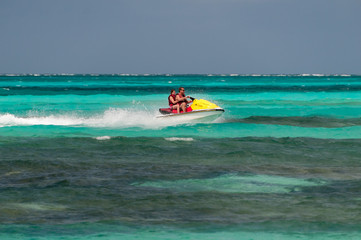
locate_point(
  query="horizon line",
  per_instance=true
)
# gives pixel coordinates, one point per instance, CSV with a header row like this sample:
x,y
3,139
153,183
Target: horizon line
x,y
182,74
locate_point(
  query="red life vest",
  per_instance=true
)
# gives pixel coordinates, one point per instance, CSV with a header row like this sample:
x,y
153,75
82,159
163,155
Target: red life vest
x,y
181,101
169,101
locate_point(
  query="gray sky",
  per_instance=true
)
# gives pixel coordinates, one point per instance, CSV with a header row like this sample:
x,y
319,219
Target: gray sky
x,y
180,36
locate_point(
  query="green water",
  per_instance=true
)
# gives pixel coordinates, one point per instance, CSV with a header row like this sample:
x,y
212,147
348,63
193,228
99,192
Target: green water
x,y
85,157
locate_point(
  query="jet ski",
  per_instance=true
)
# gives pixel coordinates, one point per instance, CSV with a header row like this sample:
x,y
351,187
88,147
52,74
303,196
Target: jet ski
x,y
199,109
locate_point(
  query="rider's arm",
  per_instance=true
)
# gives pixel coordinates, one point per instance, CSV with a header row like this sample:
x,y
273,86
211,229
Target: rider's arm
x,y
173,100
178,98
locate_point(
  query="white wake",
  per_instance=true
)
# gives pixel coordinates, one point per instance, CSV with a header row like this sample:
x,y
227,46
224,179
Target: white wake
x,y
111,118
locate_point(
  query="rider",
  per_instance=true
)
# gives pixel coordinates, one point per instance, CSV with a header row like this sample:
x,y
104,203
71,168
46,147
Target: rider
x,y
182,99
173,103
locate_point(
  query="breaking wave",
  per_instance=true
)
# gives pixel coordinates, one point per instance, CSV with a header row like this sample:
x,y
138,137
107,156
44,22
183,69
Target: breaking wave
x,y
172,139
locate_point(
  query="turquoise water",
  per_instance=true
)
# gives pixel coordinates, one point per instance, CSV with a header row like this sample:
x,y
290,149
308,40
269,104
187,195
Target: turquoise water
x,y
85,157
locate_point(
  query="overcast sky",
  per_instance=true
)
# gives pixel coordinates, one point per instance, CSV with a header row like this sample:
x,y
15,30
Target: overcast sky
x,y
180,36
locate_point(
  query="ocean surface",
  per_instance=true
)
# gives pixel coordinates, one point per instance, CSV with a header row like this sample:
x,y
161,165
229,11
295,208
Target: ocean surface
x,y
85,157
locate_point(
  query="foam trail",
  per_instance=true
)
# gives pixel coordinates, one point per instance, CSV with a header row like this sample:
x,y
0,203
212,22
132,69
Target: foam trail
x,y
12,120
112,118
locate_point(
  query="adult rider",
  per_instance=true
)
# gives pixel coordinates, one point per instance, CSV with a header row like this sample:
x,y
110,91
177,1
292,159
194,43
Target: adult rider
x,y
182,99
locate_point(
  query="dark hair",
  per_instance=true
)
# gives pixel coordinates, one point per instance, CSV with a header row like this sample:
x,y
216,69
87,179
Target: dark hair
x,y
180,88
171,91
